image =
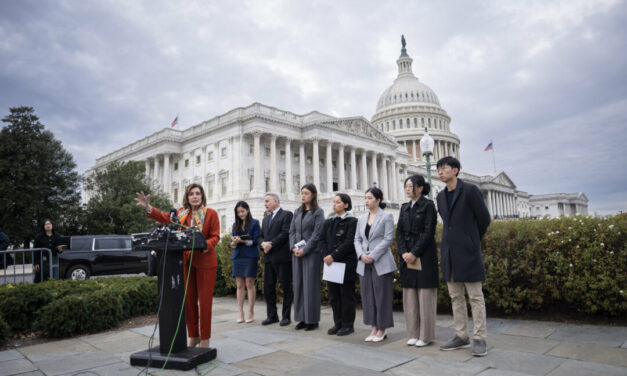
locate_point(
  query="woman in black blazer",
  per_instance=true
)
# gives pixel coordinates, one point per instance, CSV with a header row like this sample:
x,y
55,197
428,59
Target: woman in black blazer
x,y
415,240
337,245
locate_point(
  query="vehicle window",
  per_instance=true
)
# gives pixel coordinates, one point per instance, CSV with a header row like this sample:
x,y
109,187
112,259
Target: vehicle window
x,y
81,244
113,243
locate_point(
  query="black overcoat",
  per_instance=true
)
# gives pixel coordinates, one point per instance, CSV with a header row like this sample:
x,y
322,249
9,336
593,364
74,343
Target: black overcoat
x,y
415,233
464,227
344,244
277,232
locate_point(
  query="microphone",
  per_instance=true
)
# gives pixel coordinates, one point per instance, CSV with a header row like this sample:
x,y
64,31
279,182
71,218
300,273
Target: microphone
x,y
173,218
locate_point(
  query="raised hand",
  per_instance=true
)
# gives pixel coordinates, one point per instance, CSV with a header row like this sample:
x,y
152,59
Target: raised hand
x,y
143,201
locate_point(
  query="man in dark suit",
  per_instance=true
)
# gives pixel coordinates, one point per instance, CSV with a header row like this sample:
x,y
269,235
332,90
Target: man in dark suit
x,y
274,242
466,219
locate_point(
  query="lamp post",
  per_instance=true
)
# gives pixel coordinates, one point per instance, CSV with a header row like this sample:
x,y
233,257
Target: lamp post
x,y
426,146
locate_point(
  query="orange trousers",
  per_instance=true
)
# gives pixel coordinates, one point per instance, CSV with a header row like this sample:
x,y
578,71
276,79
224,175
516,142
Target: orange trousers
x,y
199,300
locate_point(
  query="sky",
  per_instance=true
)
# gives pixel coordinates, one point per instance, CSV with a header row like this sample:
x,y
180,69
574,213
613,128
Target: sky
x,y
544,80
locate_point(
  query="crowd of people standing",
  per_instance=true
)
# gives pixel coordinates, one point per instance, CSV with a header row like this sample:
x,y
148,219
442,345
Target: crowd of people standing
x,y
295,246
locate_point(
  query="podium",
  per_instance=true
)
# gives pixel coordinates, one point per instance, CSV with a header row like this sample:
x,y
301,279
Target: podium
x,y
172,351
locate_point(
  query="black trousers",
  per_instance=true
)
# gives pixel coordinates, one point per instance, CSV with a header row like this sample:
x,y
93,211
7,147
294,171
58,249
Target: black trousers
x,y
343,303
283,274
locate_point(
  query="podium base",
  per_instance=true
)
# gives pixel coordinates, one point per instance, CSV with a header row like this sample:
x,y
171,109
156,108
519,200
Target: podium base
x,y
183,360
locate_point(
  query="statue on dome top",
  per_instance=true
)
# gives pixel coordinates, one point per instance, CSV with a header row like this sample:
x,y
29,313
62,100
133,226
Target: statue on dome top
x,y
403,43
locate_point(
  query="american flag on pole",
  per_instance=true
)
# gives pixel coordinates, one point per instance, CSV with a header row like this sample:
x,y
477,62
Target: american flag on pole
x,y
175,122
489,147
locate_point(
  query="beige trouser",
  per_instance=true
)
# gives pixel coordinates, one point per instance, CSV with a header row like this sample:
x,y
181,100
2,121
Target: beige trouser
x,y
460,311
420,307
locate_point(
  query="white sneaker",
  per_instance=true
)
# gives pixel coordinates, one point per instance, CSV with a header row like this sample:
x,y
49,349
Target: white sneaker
x,y
421,343
412,341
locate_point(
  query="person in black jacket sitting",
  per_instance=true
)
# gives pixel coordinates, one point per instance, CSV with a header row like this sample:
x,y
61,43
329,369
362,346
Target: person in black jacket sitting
x,y
337,245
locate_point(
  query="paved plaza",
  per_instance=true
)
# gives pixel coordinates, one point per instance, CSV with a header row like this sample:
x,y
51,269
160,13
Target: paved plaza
x,y
516,347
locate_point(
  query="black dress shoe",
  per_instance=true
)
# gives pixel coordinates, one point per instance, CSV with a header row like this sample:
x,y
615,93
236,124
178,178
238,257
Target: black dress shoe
x,y
270,320
333,330
300,325
285,322
311,327
345,331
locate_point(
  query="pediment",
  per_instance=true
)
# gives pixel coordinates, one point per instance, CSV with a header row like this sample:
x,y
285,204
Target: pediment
x,y
361,127
502,179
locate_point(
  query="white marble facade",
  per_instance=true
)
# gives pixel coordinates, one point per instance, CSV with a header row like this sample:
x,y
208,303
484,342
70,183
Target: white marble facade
x,y
251,150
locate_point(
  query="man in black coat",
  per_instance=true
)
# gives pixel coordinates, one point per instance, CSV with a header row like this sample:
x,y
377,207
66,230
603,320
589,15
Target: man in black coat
x,y
466,219
274,243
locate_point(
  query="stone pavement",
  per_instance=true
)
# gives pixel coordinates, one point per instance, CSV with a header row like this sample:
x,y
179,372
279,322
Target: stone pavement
x,y
516,347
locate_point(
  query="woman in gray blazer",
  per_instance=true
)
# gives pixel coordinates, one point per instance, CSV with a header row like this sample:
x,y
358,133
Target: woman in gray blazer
x,y
375,232
306,261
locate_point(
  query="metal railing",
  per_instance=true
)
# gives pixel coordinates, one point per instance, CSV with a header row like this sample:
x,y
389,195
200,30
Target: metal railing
x,y
24,271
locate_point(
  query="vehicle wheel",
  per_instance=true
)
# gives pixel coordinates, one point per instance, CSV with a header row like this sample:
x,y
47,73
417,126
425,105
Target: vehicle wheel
x,y
78,273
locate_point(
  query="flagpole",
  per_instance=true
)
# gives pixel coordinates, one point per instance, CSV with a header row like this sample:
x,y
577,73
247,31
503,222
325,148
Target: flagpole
x,y
493,157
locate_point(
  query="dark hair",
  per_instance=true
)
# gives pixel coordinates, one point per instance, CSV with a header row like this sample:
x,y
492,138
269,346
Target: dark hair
x,y
419,181
378,194
188,189
346,199
314,197
451,162
239,225
43,225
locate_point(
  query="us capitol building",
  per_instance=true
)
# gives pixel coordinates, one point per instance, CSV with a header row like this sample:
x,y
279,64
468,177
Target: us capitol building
x,y
251,150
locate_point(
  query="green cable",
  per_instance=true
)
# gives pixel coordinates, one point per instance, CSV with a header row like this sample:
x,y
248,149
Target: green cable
x,y
178,324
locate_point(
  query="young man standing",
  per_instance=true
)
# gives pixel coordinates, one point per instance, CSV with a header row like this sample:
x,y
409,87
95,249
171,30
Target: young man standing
x,y
274,243
466,219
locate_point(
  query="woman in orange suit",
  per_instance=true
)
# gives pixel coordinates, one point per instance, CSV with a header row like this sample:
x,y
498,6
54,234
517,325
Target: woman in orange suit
x,y
202,277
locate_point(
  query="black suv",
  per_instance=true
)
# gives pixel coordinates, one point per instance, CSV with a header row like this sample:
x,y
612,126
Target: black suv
x,y
101,255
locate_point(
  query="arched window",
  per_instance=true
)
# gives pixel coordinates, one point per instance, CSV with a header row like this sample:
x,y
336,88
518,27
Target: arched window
x,y
393,125
400,123
415,123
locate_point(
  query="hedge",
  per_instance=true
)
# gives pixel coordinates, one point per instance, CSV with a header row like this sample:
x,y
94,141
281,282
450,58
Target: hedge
x,y
576,263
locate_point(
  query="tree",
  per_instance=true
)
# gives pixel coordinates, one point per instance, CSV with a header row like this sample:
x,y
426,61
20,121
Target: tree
x,y
38,177
111,208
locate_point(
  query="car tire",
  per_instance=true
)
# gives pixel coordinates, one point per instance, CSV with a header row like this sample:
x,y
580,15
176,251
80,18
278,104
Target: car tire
x,y
78,273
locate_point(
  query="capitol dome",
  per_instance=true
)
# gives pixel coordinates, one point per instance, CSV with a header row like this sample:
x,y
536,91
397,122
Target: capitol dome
x,y
408,107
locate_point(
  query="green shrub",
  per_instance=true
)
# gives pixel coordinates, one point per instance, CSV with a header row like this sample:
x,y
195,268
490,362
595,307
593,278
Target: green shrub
x,y
5,331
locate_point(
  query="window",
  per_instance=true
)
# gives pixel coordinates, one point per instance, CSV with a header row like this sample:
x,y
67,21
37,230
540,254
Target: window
x,y
321,162
267,184
282,155
393,124
251,149
334,164
251,182
176,167
223,223
429,122
267,152
198,159
296,157
187,163
400,123
282,185
546,208
113,243
422,120
210,189
223,152
82,243
415,123
224,185
387,125
210,156
308,160
175,195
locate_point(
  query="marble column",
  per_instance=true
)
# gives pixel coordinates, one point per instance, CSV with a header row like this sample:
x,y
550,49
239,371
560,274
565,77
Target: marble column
x,y
237,165
394,179
147,164
341,169
217,189
166,174
375,171
416,156
316,163
329,163
384,177
288,169
303,174
353,185
258,173
364,170
274,175
490,204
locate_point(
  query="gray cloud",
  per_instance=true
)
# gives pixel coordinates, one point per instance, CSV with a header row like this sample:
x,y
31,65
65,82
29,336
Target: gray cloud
x,y
542,79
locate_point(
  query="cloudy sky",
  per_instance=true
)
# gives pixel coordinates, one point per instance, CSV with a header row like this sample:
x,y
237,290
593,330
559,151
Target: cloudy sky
x,y
545,80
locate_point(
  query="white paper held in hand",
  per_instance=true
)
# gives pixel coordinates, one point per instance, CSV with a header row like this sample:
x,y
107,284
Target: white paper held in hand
x,y
334,272
301,244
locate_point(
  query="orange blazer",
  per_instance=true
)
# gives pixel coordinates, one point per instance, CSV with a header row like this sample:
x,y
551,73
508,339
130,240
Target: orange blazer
x,y
210,229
